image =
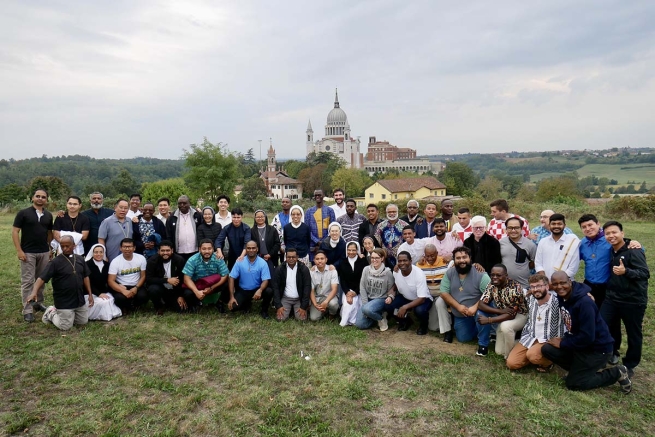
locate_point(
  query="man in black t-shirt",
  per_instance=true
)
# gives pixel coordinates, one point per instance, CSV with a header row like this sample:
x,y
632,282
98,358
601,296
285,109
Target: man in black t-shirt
x,y
70,277
73,221
31,234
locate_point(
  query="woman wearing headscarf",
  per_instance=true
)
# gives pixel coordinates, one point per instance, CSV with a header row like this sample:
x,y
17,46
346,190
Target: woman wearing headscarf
x,y
334,245
350,275
374,287
209,228
298,235
103,307
267,238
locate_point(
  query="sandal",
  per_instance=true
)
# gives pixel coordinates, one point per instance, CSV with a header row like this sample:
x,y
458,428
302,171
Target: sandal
x,y
544,369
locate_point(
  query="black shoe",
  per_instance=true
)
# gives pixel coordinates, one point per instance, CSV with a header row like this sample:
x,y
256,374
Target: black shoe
x,y
624,379
404,324
421,331
160,312
38,306
220,307
482,351
614,360
264,315
492,338
195,309
631,372
448,337
29,318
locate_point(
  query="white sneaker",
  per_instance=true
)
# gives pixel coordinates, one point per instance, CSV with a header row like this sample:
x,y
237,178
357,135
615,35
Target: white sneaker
x,y
383,325
48,313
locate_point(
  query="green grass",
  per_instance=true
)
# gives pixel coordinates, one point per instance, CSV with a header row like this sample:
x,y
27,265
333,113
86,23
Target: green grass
x,y
621,172
212,374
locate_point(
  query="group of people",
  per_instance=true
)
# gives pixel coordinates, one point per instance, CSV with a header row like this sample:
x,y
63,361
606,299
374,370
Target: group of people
x,y
456,273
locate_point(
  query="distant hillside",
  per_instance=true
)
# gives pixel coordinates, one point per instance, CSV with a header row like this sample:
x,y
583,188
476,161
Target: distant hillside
x,y
83,173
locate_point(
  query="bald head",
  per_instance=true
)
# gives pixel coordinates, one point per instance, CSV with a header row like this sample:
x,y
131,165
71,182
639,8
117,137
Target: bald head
x,y
545,215
430,252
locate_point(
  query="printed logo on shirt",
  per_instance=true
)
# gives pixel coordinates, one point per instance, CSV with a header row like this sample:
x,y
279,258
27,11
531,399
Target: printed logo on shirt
x,y
131,271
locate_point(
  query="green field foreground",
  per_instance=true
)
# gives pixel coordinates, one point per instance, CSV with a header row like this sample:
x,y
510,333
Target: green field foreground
x,y
621,172
224,375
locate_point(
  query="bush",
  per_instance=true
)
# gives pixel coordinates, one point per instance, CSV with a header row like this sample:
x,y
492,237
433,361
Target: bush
x,y
635,207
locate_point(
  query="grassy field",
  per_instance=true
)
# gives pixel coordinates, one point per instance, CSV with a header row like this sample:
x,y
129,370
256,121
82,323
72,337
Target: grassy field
x,y
223,375
621,172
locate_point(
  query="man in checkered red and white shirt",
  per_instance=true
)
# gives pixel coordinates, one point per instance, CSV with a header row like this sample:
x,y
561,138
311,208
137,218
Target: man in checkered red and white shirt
x,y
500,213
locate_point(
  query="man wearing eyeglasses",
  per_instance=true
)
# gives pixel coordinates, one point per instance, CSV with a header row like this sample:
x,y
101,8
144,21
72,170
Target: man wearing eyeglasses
x,y
518,252
32,234
318,218
412,217
543,230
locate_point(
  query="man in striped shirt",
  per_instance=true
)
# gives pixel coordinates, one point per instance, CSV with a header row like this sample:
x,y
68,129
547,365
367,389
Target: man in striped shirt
x,y
350,222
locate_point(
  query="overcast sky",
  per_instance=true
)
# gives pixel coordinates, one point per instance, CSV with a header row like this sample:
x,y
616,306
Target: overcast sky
x,y
120,79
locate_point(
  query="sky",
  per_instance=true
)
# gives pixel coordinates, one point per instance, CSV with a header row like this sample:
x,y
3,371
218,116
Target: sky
x,y
122,79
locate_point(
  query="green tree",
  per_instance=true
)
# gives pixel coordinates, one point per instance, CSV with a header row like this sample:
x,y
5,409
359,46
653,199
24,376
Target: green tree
x,y
293,167
490,188
171,188
124,183
253,188
459,179
643,188
57,189
211,170
312,179
12,192
559,187
351,180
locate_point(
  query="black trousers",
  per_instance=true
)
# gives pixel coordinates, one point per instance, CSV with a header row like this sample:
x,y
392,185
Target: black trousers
x,y
244,299
632,316
583,367
598,292
125,304
163,297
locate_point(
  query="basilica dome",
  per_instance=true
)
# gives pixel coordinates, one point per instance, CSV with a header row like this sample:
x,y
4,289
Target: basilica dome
x,y
337,116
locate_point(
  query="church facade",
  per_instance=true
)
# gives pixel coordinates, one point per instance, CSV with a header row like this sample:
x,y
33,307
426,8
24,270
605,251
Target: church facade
x,y
277,181
337,139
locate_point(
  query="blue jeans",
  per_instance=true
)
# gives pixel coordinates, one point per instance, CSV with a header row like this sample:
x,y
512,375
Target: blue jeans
x,y
484,331
422,311
465,328
370,313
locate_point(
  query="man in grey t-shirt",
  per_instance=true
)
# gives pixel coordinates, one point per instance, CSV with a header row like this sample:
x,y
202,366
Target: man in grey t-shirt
x,y
324,289
517,252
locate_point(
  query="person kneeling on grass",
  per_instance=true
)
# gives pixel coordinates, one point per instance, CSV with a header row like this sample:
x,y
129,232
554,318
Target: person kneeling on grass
x,y
127,275
375,290
164,276
413,293
249,280
461,289
204,274
325,282
502,305
292,285
587,346
544,322
70,277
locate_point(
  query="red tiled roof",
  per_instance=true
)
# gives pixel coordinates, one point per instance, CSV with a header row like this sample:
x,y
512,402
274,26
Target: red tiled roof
x,y
411,184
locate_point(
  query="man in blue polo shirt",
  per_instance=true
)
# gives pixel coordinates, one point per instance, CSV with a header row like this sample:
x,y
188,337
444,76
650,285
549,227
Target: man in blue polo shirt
x,y
253,276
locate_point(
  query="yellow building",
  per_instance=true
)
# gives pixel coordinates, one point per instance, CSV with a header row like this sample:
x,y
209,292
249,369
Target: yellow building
x,y
391,190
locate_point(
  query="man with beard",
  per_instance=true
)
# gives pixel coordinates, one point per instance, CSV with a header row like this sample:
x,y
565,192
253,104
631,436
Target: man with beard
x,y
127,277
517,252
249,281
204,274
443,240
461,289
339,207
280,220
164,208
164,278
587,346
148,231
72,223
350,222
318,218
543,230
462,229
181,228
627,295
544,322
412,293
32,234
389,233
412,217
96,214
114,229
424,227
135,204
369,226
485,249
447,213
70,277
502,305
559,251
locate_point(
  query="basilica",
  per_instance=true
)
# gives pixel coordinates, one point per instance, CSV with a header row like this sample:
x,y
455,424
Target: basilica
x,y
337,139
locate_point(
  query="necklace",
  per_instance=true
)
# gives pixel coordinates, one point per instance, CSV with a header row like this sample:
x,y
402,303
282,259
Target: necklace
x,y
540,312
71,263
461,283
125,231
74,223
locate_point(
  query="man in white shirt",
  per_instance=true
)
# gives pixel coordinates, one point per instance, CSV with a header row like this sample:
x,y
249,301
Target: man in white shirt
x,y
135,203
413,293
413,246
223,216
559,251
127,276
164,207
292,285
339,207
